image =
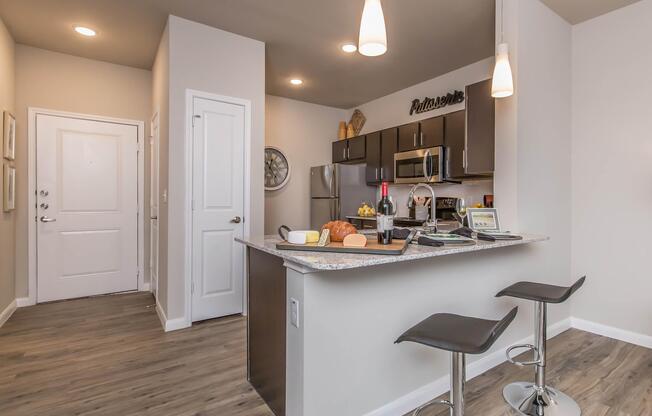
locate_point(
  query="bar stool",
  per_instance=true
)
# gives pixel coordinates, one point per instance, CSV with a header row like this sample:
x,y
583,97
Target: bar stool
x,y
538,399
460,335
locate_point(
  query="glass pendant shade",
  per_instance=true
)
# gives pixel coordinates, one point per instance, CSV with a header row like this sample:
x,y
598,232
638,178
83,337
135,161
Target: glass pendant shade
x,y
373,37
502,84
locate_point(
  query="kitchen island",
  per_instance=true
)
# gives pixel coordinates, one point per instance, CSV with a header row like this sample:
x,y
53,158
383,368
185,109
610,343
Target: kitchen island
x,y
321,326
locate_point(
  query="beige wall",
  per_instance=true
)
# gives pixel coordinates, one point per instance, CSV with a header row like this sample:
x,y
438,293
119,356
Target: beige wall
x,y
62,82
612,170
303,132
7,219
161,105
207,59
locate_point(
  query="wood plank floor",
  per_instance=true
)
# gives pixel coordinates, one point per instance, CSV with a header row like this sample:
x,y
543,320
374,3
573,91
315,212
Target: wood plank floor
x,y
109,356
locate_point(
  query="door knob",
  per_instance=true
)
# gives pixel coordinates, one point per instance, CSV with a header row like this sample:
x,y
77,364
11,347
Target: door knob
x,y
47,219
236,220
44,193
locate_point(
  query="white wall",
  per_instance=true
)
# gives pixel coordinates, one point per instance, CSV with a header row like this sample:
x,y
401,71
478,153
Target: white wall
x,y
211,60
304,132
63,82
7,219
612,168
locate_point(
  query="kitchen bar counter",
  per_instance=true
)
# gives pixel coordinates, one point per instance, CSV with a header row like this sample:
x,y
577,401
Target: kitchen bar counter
x,y
322,326
342,261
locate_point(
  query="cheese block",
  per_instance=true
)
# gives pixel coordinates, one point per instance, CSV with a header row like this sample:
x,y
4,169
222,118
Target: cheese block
x,y
355,240
312,236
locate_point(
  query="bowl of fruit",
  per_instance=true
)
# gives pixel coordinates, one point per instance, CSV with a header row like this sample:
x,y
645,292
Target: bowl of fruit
x,y
366,211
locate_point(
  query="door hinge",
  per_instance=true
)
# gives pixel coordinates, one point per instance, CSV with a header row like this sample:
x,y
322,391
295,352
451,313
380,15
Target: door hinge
x,y
195,117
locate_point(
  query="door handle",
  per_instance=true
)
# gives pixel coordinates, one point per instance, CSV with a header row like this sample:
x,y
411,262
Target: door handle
x,y
236,220
153,218
47,219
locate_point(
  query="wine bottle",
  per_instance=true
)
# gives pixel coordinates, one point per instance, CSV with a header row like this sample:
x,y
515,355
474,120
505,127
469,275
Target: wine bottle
x,y
385,217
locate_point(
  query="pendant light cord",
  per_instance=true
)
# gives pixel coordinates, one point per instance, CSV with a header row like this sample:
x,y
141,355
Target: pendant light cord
x,y
502,21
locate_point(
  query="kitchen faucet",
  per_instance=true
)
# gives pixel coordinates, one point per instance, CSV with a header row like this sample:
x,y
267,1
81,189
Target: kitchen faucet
x,y
433,201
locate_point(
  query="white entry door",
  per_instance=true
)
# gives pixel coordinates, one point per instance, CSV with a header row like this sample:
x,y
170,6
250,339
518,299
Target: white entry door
x,y
218,206
87,207
153,204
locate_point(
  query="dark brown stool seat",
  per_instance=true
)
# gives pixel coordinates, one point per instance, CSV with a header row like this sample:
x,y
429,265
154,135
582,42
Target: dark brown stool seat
x,y
541,292
539,399
457,333
460,335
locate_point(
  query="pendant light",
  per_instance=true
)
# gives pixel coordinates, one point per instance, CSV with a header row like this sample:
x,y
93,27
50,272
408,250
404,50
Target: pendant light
x,y
373,38
502,84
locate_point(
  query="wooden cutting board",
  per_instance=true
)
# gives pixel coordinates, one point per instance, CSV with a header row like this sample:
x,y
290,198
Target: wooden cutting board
x,y
397,247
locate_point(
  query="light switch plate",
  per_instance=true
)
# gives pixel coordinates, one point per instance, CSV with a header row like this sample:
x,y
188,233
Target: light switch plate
x,y
294,312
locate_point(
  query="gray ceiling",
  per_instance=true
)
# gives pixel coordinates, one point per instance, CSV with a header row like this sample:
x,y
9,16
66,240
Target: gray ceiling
x,y
426,38
577,11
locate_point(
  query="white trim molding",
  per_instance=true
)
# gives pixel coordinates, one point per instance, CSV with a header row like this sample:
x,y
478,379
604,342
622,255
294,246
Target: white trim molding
x,y
612,332
22,302
246,104
414,399
170,324
7,312
32,112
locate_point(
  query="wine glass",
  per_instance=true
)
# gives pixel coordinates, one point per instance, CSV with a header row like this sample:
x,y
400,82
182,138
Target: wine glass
x,y
460,207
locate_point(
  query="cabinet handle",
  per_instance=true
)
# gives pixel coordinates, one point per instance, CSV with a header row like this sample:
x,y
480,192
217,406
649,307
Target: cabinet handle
x,y
421,139
344,153
415,140
377,173
381,173
464,158
348,153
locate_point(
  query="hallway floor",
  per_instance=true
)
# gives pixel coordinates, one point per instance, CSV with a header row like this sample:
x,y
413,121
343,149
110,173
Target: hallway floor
x,y
109,356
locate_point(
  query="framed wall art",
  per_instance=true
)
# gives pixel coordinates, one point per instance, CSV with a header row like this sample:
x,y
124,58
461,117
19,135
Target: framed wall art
x,y
9,136
9,188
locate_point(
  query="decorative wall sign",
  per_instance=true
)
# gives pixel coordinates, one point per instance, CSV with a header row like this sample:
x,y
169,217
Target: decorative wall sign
x,y
9,136
9,188
429,104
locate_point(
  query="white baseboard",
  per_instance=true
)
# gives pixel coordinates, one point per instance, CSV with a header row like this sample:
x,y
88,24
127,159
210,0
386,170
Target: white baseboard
x,y
146,287
22,302
6,314
612,332
412,400
170,324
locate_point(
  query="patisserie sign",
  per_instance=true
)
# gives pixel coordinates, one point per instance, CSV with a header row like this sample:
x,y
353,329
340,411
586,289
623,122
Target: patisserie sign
x,y
428,104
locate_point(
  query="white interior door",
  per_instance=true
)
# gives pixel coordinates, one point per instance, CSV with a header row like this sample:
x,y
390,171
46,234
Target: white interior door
x,y
218,203
153,204
87,207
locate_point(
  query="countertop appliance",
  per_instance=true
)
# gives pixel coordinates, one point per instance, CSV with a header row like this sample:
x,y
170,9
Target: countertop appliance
x,y
336,191
420,166
446,208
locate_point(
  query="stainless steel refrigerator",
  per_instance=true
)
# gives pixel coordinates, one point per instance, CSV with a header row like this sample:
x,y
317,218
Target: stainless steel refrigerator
x,y
336,191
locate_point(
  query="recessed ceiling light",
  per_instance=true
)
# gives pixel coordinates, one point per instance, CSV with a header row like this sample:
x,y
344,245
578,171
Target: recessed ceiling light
x,y
296,81
85,31
349,48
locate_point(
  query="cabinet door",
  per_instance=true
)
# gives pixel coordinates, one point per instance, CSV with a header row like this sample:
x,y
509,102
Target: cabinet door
x,y
432,132
356,148
454,142
480,125
339,151
373,157
389,146
408,137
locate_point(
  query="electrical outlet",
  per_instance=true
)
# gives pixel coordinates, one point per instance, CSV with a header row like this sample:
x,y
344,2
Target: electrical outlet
x,y
294,312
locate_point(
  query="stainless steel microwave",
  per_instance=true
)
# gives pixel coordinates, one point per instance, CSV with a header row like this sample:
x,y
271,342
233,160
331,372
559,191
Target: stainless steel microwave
x,y
420,166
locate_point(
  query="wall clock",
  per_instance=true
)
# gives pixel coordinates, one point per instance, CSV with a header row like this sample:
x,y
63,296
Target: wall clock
x,y
277,169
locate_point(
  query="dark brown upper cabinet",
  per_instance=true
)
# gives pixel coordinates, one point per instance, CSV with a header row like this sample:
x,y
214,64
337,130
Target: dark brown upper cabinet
x,y
349,150
356,148
408,137
339,151
455,130
381,147
432,132
373,157
480,129
389,146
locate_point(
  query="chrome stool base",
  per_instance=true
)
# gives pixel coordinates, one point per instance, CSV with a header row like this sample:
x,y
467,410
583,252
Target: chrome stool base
x,y
529,400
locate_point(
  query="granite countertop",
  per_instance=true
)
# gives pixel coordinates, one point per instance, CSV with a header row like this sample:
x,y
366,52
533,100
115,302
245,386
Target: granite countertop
x,y
341,261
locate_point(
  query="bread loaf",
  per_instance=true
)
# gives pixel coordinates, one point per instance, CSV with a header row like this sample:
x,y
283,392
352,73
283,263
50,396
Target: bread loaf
x,y
339,230
355,240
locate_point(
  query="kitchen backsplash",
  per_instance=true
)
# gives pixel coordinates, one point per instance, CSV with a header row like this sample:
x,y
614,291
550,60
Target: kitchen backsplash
x,y
472,192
